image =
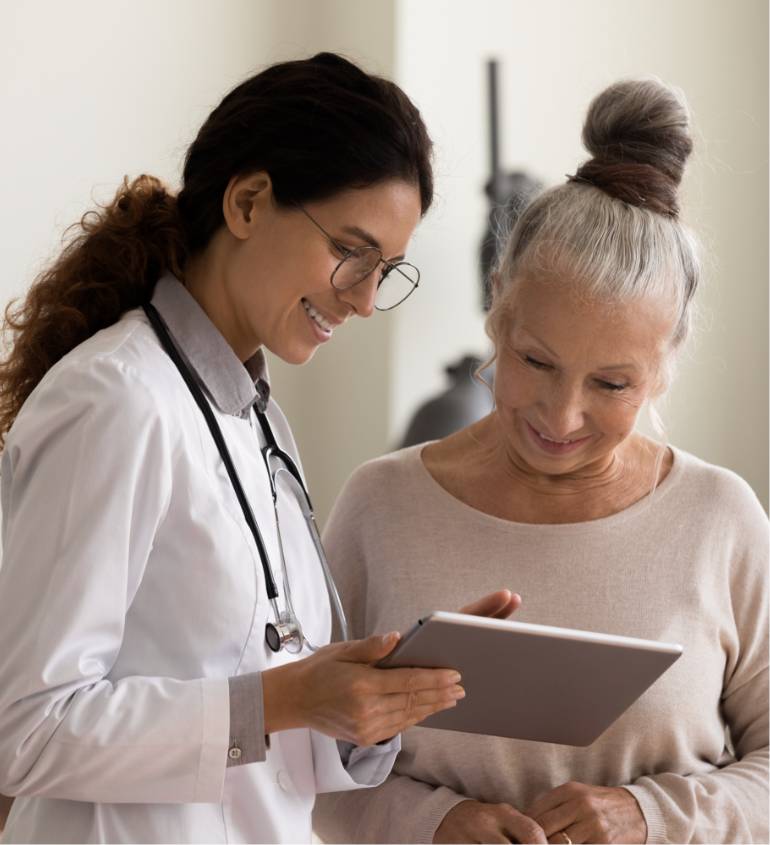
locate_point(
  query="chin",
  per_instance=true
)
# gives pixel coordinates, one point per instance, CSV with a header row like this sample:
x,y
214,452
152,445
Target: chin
x,y
296,356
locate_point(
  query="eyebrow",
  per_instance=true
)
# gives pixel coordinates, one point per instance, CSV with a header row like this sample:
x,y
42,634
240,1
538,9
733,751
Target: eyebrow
x,y
368,238
629,365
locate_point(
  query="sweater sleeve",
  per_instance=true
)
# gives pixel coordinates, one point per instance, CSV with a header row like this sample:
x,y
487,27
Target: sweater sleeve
x,y
381,814
730,803
86,482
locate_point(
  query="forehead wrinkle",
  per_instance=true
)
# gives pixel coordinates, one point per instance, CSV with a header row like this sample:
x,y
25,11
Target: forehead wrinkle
x,y
633,364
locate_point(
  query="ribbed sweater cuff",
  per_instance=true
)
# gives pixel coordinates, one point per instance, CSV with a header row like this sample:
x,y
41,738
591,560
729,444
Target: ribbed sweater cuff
x,y
656,824
440,803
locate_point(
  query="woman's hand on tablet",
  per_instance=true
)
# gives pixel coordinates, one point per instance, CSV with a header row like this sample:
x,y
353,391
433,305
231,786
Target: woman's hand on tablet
x,y
338,691
473,821
578,812
498,605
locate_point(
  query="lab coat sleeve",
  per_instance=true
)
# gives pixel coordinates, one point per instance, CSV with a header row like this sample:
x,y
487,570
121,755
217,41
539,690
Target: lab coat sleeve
x,y
247,720
86,482
355,767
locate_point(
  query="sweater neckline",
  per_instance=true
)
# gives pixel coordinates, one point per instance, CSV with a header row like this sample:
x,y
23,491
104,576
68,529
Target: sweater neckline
x,y
643,505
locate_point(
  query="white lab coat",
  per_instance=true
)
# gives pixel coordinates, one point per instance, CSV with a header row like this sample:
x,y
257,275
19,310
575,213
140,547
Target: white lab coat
x,y
131,589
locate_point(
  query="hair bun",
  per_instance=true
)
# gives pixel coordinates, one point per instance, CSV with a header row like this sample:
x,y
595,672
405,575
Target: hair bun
x,y
638,134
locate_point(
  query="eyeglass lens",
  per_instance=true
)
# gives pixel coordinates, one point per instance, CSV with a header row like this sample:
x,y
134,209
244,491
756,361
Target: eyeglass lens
x,y
396,283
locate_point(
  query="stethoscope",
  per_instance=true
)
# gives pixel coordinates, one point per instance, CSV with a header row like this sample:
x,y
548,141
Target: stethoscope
x,y
286,631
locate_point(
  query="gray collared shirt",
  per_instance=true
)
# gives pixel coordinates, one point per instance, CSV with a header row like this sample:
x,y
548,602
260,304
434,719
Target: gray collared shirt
x,y
234,387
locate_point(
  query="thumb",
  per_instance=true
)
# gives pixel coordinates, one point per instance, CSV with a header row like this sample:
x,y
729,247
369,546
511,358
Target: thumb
x,y
371,649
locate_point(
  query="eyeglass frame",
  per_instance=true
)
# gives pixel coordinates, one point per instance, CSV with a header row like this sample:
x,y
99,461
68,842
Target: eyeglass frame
x,y
346,253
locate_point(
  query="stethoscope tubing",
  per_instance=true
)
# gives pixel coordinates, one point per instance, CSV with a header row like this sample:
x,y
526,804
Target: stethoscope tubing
x,y
274,638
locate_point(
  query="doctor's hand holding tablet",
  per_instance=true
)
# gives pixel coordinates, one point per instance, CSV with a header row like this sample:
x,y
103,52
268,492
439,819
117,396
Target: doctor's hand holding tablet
x,y
339,692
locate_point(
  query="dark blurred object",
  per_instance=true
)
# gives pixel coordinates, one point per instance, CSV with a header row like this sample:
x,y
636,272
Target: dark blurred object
x,y
518,191
464,402
5,808
508,193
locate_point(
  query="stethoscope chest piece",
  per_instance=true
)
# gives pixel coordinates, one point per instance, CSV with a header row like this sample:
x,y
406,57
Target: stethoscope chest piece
x,y
284,634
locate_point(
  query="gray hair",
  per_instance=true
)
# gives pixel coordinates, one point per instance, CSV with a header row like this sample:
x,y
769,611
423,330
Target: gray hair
x,y
613,229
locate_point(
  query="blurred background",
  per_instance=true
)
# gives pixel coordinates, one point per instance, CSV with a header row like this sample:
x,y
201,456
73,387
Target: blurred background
x,y
90,91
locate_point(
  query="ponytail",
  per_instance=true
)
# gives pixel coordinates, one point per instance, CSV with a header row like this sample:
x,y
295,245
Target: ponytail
x,y
110,264
317,126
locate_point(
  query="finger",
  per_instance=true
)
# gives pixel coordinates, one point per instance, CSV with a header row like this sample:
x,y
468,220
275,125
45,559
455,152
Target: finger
x,y
582,831
494,604
553,798
575,833
520,827
413,680
403,701
370,650
393,725
557,819
513,605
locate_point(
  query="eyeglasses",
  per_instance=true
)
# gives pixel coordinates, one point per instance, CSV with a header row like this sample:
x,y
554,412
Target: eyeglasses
x,y
397,282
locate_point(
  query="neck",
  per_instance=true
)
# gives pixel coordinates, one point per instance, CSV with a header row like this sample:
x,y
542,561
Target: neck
x,y
206,281
604,486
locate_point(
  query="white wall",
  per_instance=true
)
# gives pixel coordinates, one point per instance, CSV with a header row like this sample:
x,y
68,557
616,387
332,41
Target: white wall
x,y
90,91
339,403
555,56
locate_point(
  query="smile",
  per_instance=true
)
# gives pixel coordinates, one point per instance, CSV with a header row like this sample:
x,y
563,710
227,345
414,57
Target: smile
x,y
325,325
553,446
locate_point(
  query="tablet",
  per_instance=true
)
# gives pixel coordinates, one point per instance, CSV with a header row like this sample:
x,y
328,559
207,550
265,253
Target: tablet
x,y
532,682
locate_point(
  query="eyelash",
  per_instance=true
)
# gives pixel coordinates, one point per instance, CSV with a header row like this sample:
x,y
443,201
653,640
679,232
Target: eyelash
x,y
605,385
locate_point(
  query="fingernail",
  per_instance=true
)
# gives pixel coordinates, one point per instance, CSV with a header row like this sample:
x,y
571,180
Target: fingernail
x,y
458,692
391,637
455,678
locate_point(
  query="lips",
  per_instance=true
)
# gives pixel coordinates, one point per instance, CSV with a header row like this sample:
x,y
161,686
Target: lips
x,y
552,446
321,320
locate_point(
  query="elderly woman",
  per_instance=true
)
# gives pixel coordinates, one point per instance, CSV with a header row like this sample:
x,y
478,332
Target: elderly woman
x,y
597,526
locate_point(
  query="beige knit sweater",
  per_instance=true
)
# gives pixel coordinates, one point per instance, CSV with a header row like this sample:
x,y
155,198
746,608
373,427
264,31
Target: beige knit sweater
x,y
688,564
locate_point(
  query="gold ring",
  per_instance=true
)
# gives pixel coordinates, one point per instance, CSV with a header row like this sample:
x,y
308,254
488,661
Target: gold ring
x,y
567,840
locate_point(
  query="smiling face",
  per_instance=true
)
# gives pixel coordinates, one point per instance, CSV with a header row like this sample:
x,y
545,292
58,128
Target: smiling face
x,y
572,376
266,280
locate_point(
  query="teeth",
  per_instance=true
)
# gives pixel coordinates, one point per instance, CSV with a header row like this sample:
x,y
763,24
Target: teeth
x,y
323,323
551,440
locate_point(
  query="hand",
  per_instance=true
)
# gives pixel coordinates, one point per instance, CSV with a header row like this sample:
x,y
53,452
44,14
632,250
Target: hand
x,y
472,821
589,814
499,605
338,692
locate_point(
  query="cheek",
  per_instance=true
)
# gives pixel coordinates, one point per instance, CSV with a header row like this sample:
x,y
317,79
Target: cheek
x,y
515,387
617,416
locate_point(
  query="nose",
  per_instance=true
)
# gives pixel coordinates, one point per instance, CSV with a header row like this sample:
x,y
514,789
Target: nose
x,y
564,411
362,295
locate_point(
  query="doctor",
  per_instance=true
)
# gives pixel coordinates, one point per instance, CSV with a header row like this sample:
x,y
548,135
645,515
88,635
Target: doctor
x,y
164,603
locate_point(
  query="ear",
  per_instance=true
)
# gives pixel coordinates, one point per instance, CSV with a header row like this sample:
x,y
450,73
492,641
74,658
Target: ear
x,y
245,197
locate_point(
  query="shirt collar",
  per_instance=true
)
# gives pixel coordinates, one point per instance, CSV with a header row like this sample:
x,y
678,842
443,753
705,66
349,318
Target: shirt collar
x,y
233,386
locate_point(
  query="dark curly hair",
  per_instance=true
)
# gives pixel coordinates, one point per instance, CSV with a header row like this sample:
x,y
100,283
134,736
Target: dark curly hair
x,y
317,126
